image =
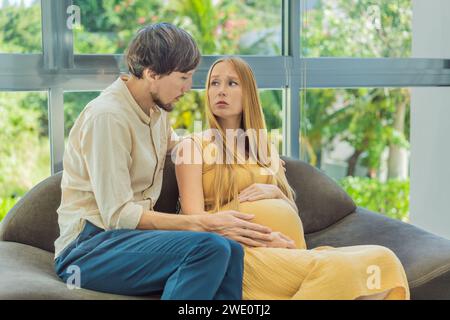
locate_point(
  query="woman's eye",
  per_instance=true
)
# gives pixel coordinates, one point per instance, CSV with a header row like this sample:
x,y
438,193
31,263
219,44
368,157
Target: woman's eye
x,y
233,83
214,83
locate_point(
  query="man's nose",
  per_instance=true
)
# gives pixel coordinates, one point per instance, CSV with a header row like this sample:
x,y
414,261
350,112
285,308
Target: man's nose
x,y
188,87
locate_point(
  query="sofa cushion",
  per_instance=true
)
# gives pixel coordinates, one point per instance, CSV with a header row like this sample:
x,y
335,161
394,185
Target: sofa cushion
x,y
28,273
167,201
425,256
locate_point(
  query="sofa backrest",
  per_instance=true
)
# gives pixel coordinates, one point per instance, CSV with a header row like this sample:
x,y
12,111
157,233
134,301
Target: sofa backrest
x,y
320,200
34,221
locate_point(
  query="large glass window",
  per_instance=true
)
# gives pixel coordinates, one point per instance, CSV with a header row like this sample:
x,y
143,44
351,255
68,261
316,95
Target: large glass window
x,y
219,26
20,26
24,145
357,28
360,137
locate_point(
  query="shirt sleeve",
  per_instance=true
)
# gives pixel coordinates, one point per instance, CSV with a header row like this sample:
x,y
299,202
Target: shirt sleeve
x,y
106,149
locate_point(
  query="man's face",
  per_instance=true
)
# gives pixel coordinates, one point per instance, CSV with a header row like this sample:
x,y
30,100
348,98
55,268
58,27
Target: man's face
x,y
168,89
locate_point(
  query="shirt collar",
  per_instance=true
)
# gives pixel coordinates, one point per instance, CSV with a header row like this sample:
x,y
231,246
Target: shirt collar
x,y
155,112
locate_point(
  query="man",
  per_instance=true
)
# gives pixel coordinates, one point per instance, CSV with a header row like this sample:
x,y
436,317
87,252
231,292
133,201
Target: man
x,y
112,178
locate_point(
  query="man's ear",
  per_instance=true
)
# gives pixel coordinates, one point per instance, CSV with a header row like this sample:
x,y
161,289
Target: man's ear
x,y
150,74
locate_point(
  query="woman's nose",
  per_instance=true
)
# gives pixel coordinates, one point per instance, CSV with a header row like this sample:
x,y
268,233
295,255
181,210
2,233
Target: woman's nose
x,y
222,91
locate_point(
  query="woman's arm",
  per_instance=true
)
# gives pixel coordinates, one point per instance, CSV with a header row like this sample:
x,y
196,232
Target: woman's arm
x,y
188,170
258,191
190,186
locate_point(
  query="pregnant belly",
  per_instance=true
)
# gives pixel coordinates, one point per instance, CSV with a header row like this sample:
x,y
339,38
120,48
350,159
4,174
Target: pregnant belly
x,y
278,215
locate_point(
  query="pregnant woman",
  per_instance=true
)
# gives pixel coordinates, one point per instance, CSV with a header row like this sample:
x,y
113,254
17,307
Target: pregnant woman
x,y
214,176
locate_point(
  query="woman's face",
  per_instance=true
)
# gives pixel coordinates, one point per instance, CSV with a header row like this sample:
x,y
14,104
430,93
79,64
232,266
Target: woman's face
x,y
225,92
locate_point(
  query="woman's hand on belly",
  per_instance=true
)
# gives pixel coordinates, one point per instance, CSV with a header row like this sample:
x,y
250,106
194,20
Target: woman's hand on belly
x,y
259,191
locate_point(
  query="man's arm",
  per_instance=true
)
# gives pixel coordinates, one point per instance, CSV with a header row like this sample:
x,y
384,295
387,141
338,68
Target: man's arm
x,y
105,142
154,220
106,150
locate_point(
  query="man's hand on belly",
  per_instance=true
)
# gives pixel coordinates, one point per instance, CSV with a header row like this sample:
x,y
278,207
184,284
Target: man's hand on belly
x,y
280,241
236,226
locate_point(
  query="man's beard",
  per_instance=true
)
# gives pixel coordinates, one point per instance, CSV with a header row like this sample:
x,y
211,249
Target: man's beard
x,y
156,99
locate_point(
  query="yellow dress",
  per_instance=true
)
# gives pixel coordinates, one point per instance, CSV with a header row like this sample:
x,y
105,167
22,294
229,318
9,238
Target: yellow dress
x,y
320,273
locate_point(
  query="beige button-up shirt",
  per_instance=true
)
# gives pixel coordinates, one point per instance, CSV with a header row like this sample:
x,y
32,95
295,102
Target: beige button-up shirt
x,y
113,164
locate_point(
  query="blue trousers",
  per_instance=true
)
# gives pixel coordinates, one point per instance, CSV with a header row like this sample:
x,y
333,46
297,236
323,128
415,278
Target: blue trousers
x,y
178,265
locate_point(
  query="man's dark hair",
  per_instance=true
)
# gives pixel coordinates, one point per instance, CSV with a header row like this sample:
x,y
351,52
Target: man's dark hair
x,y
163,48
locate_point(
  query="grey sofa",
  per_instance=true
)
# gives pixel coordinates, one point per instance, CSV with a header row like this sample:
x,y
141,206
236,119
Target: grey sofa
x,y
329,216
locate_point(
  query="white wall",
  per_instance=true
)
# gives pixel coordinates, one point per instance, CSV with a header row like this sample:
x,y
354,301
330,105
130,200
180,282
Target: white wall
x,y
430,123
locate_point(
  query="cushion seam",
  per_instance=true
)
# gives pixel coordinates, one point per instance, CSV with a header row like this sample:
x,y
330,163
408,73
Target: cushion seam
x,y
430,276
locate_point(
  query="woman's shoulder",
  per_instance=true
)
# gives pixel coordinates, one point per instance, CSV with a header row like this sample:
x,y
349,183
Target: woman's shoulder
x,y
197,139
202,137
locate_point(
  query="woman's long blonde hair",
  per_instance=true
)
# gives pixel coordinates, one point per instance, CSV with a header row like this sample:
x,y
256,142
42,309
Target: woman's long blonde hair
x,y
252,118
